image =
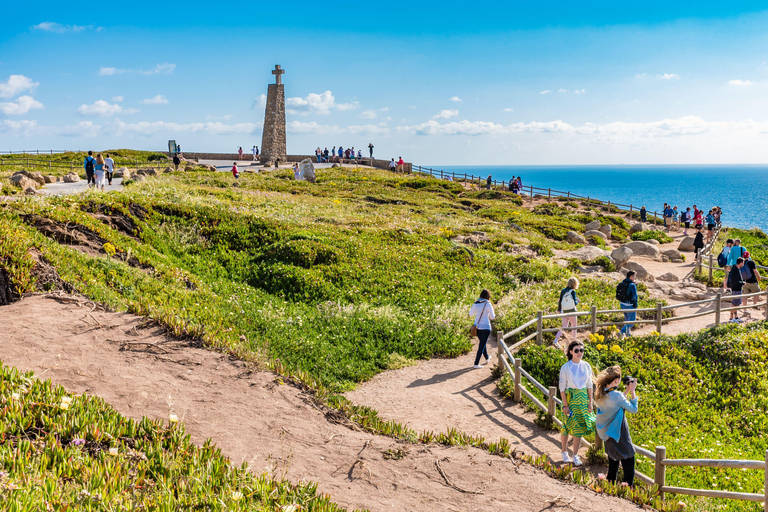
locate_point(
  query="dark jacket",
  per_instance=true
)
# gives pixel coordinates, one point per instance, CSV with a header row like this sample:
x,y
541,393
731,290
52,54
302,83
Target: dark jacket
x,y
562,294
631,293
699,241
735,281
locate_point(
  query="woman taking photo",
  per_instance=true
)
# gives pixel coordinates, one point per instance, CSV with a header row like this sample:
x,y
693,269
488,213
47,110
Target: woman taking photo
x,y
483,312
576,393
567,304
612,426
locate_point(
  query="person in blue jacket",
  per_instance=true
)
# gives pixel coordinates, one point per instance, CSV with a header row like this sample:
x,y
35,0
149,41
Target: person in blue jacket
x,y
611,422
626,294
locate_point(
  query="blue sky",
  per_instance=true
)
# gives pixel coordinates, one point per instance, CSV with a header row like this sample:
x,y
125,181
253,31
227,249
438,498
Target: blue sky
x,y
438,83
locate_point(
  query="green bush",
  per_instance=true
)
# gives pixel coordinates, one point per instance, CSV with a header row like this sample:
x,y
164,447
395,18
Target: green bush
x,y
662,237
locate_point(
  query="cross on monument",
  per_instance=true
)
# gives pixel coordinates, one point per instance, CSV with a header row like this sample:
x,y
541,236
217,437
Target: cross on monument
x,y
277,72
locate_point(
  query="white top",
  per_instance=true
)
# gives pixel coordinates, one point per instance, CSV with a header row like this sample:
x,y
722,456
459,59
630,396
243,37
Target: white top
x,y
253,150
482,317
110,164
575,376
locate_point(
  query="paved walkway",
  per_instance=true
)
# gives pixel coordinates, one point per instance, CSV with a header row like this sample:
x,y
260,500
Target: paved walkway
x,y
62,188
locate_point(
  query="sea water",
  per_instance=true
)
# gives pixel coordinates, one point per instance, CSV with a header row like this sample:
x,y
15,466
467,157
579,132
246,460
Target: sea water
x,y
740,190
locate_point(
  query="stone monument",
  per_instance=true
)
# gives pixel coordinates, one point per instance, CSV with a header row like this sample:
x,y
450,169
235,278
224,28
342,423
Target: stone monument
x,y
273,136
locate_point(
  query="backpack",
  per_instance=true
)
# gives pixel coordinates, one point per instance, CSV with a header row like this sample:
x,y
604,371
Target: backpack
x,y
89,165
721,260
568,304
622,292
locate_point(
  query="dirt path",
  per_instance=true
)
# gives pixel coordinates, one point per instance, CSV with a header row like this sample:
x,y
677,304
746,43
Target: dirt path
x,y
253,417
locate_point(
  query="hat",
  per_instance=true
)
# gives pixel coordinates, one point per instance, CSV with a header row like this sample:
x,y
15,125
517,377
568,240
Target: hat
x,y
745,254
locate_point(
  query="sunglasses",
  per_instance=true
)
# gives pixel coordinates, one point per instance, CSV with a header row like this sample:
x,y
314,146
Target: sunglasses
x,y
577,350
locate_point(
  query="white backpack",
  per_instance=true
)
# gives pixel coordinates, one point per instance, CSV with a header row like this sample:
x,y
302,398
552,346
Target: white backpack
x,y
568,303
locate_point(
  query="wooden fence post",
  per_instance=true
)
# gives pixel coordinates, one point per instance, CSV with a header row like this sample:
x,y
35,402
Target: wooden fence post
x,y
539,327
593,311
549,195
518,377
500,350
698,264
659,473
711,264
630,212
659,315
718,306
551,401
569,195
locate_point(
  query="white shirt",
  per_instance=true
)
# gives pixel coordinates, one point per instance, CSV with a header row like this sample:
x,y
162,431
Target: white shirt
x,y
575,376
110,164
482,317
253,150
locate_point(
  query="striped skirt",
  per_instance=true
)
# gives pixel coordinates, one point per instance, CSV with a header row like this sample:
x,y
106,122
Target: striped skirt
x,y
580,422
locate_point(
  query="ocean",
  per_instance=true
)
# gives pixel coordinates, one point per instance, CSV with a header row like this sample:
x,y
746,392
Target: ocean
x,y
740,190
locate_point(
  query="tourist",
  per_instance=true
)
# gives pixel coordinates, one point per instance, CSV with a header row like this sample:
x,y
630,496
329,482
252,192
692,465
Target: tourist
x,y
668,213
698,241
576,394
483,312
611,422
325,155
511,183
109,167
296,172
370,149
240,152
98,170
255,152
675,218
178,150
88,164
717,213
519,183
686,218
488,182
698,219
333,152
352,153
235,171
567,304
359,154
318,155
736,252
401,165
643,215
341,153
710,225
393,166
626,294
751,279
176,161
722,260
736,283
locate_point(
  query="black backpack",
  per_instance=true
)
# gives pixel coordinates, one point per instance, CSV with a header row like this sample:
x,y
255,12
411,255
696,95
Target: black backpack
x,y
721,260
622,292
89,165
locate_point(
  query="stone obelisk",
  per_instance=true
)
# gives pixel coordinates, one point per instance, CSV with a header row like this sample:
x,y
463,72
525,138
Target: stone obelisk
x,y
273,135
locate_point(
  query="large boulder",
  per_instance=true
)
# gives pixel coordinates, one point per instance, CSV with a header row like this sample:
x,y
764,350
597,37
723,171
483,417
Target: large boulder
x,y
307,170
23,182
640,226
654,242
122,172
38,177
642,274
644,249
594,225
587,253
606,229
686,245
51,179
574,238
595,232
72,177
669,276
673,254
621,255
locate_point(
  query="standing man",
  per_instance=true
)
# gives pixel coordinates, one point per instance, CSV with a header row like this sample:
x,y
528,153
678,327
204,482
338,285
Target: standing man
x,y
751,277
668,214
370,149
735,283
626,294
401,165
109,167
89,164
643,215
255,152
393,165
341,153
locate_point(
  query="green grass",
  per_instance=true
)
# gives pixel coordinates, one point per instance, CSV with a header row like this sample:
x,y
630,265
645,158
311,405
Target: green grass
x,y
662,237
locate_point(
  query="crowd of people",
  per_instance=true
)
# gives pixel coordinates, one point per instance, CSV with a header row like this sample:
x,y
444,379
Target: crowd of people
x,y
98,170
337,155
741,275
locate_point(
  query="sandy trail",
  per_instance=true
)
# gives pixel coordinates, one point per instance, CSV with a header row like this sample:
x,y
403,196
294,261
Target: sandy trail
x,y
253,417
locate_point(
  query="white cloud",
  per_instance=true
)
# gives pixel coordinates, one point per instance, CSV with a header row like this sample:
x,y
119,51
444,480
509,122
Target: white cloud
x,y
18,128
579,91
455,98
741,83
226,117
508,109
317,103
259,101
640,75
446,114
156,100
50,26
368,114
454,128
100,108
16,84
668,76
20,106
120,128
562,90
160,69
545,92
117,98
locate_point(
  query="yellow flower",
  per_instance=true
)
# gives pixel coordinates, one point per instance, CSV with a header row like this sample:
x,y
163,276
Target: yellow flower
x,y
655,333
616,349
65,402
109,249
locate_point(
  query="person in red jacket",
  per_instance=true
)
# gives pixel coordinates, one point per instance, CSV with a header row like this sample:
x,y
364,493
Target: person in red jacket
x,y
235,172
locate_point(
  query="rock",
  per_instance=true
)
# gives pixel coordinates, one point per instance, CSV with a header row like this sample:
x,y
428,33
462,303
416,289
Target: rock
x,y
621,255
562,263
654,242
699,286
644,249
587,253
606,229
51,179
590,269
669,276
170,169
574,238
595,232
642,274
212,168
673,254
538,196
307,170
71,178
138,178
30,191
38,177
150,171
686,245
123,172
594,225
23,182
640,226
335,166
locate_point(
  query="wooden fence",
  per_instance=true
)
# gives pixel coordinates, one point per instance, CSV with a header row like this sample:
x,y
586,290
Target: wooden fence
x,y
78,166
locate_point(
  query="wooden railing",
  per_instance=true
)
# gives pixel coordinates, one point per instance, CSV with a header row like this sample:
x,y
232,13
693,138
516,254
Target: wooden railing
x,y
513,366
707,259
36,152
78,166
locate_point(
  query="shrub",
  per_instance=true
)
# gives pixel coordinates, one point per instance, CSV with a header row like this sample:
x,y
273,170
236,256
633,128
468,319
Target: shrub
x,y
605,262
662,237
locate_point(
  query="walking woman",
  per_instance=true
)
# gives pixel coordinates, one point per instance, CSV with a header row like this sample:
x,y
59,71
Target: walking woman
x,y
483,312
576,392
567,304
612,426
99,171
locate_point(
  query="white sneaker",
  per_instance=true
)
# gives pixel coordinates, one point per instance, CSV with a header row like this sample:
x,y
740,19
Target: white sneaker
x,y
576,460
477,367
566,458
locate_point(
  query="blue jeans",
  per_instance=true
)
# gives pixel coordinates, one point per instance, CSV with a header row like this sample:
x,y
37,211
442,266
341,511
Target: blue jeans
x,y
482,335
628,317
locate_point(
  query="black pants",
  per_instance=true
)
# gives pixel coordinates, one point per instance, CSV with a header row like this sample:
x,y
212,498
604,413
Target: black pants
x,y
109,177
482,335
90,177
628,465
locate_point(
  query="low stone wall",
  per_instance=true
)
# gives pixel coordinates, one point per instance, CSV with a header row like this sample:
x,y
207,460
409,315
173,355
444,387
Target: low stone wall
x,y
379,164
